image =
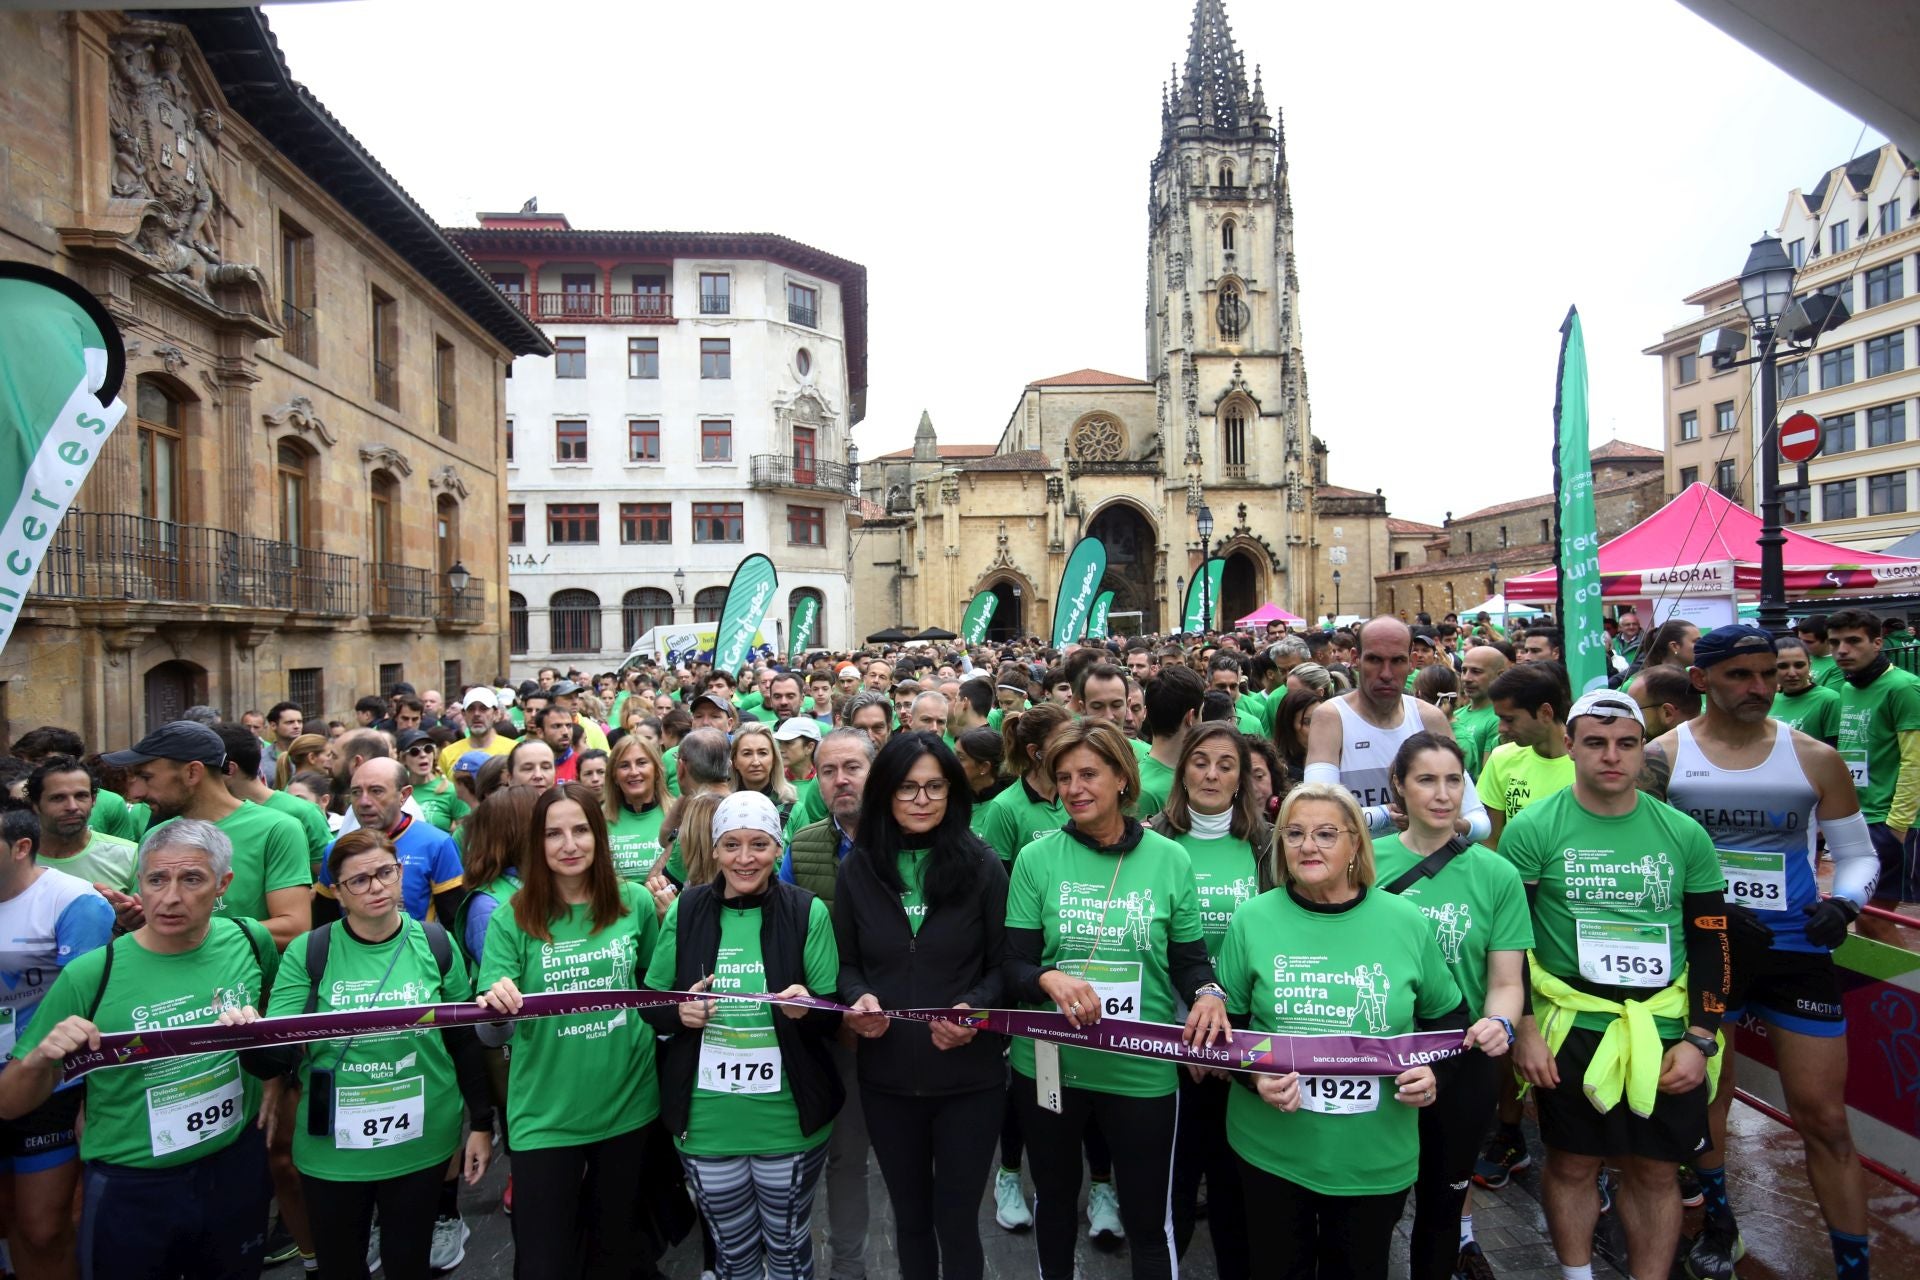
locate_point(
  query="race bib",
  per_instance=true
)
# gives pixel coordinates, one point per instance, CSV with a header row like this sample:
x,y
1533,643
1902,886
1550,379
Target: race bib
x,y
379,1115
1756,880
1116,982
1857,766
1340,1095
1616,953
198,1109
739,1060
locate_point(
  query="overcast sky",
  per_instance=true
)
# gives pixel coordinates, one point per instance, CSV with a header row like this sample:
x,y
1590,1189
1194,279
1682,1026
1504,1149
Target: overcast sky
x,y
1461,173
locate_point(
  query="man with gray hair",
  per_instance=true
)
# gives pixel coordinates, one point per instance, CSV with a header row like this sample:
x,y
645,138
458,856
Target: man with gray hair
x,y
176,1167
928,713
704,763
200,713
871,712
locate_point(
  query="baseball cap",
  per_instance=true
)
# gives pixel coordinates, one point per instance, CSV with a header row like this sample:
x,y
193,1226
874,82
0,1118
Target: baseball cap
x,y
181,740
480,697
847,667
1732,641
797,727
410,738
1607,704
712,697
470,761
563,688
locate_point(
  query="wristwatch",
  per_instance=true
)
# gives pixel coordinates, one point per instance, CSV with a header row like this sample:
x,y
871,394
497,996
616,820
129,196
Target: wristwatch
x,y
1508,1026
1707,1045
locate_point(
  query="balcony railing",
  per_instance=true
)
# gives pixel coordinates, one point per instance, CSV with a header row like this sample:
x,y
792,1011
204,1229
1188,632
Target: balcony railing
x,y
300,331
386,384
108,556
398,591
463,608
784,471
798,314
595,308
716,304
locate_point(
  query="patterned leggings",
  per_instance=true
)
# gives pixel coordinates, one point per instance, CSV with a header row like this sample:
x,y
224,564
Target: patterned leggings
x,y
760,1211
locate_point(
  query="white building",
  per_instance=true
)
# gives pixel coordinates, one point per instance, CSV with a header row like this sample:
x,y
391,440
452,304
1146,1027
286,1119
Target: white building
x,y
698,407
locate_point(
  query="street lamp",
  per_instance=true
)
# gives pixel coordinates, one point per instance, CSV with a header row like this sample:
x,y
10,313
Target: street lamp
x,y
1205,521
458,578
680,583
1336,597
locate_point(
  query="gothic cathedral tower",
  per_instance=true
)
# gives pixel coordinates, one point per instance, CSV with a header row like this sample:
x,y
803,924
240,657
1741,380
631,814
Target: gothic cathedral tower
x,y
1224,349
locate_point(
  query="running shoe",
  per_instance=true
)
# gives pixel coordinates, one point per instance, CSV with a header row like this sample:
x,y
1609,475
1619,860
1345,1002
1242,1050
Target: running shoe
x,y
280,1246
1504,1156
506,1198
1715,1250
1103,1213
1692,1194
1010,1201
449,1244
1473,1264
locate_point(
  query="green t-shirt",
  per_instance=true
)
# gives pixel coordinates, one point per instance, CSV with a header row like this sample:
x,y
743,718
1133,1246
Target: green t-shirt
x,y
439,802
912,900
396,1105
1514,777
312,822
106,860
734,1112
809,806
1017,817
1108,918
1372,970
162,1114
1871,720
1477,730
1826,672
1814,711
114,816
269,854
1248,722
669,765
1156,780
1611,903
1226,876
636,841
582,1077
1475,904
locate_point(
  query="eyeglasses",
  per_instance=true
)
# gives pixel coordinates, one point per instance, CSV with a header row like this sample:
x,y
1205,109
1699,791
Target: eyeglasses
x,y
357,885
935,790
1324,838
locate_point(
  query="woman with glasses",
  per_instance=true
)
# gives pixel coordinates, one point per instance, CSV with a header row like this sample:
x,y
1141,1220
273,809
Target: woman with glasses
x,y
1213,813
1103,920
919,908
383,1112
1476,907
438,799
1325,1161
581,1088
633,808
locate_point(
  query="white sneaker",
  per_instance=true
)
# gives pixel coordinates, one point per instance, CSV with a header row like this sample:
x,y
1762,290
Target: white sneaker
x,y
1010,1202
373,1249
1103,1212
449,1244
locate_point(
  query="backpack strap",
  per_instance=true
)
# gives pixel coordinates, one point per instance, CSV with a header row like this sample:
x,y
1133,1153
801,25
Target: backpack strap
x,y
440,944
319,942
106,971
1430,865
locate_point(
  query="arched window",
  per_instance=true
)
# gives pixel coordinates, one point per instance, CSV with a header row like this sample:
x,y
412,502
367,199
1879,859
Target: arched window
x,y
517,623
641,610
1233,441
294,492
573,621
1226,235
818,637
1231,313
162,442
1226,173
707,603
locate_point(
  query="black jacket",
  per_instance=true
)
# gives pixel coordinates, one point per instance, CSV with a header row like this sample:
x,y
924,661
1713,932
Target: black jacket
x,y
817,1091
954,959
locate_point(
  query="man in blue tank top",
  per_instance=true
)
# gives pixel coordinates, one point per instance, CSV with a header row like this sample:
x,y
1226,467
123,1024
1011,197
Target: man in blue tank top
x,y
1759,787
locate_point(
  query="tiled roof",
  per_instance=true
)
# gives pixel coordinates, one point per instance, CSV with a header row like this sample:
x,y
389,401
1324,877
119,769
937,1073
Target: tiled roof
x,y
1396,525
1336,491
1546,499
1614,450
1089,378
1023,460
946,451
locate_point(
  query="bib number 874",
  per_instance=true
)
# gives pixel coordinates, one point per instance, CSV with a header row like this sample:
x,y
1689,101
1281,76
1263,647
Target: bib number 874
x,y
1624,965
375,1126
199,1120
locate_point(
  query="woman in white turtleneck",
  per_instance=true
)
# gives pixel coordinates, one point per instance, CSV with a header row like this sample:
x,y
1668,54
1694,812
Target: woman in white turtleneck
x,y
1213,813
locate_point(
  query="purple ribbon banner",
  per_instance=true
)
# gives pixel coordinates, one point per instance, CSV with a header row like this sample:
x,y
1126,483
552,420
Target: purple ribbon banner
x,y
1262,1053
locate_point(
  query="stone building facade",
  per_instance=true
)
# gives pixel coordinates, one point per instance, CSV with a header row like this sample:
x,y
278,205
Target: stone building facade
x,y
305,498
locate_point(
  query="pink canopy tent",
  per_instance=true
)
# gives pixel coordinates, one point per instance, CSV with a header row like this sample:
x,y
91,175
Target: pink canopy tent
x,y
1701,543
1268,612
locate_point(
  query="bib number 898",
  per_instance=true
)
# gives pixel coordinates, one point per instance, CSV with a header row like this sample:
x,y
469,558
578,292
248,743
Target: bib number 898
x,y
199,1120
375,1126
1640,966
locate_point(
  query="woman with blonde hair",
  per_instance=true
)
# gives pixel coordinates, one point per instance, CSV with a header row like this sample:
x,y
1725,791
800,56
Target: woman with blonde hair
x,y
307,753
633,801
756,766
690,860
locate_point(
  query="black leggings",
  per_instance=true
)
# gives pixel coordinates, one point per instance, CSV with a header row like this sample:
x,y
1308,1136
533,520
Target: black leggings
x,y
1140,1132
576,1210
1200,1150
935,1154
1451,1131
341,1214
1099,1159
1305,1235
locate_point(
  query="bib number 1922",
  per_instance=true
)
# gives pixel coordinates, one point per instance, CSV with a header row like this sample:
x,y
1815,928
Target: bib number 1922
x,y
1339,1095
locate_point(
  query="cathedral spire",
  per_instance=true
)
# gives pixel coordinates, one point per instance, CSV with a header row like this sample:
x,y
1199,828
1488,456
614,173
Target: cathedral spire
x,y
1215,86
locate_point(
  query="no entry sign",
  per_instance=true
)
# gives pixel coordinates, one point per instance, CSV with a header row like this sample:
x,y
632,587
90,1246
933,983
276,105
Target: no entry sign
x,y
1800,437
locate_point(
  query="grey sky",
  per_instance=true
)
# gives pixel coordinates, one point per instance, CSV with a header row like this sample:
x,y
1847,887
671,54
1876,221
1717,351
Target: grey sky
x,y
1461,173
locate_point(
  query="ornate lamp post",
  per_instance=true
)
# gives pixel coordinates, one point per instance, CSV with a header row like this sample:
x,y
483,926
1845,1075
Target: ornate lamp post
x,y
1205,521
1336,597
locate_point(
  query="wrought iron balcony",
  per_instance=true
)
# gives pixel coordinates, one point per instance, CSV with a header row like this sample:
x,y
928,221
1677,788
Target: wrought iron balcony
x,y
716,304
798,314
463,608
398,591
301,335
785,471
107,556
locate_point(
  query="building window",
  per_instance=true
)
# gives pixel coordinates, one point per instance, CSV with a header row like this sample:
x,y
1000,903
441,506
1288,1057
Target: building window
x,y
517,630
451,676
1886,354
573,621
1838,236
716,440
641,610
1887,424
643,440
803,305
643,357
569,357
306,688
1503,535
803,361
301,339
386,350
646,523
1797,252
1226,173
1889,217
573,522
806,456
509,441
1887,494
1886,284
1839,500
1796,505
650,299
570,440
516,524
291,471
716,297
1836,434
1842,290
707,603
1226,236
1234,437
807,526
717,522
1686,368
443,386
1689,426
1469,543
1793,379
578,296
391,674
1689,476
385,496
1836,367
716,357
1726,479
1546,530
1231,313
1723,417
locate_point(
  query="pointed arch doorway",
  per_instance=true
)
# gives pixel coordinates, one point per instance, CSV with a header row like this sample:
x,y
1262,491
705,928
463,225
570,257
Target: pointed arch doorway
x,y
1132,544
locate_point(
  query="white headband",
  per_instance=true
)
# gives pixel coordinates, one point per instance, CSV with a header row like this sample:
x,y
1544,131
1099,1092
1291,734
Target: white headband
x,y
749,811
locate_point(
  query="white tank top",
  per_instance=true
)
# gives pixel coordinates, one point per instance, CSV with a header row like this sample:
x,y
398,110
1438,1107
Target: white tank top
x,y
1367,750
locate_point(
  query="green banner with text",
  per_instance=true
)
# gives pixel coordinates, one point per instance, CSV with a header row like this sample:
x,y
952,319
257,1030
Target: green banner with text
x,y
1578,550
804,616
1203,598
748,596
1079,584
979,615
1097,625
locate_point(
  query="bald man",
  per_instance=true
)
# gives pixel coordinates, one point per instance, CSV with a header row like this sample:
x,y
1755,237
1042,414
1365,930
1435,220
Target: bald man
x,y
1475,726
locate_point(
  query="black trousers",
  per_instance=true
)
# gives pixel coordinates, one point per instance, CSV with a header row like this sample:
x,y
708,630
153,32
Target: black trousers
x,y
1301,1234
342,1215
1451,1131
935,1154
576,1210
1013,1144
1140,1132
1200,1150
